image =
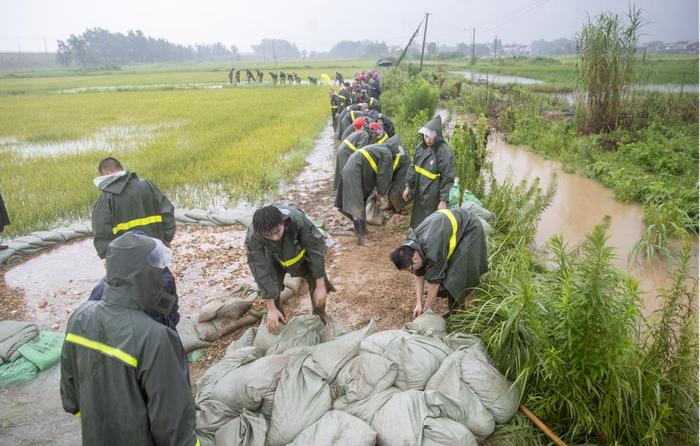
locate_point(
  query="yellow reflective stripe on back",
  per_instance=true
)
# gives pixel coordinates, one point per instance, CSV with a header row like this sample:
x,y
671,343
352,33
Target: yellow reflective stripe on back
x,y
426,173
352,114
102,348
77,414
137,222
396,162
369,159
383,138
453,238
290,262
350,145
342,97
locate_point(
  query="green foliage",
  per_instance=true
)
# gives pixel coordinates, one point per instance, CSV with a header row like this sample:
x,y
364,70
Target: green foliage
x,y
607,67
664,222
473,165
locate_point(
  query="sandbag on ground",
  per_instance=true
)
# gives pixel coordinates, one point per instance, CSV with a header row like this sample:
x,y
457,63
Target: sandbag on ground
x,y
6,255
497,394
52,237
337,428
332,356
230,307
14,334
378,342
333,328
17,371
188,336
43,351
366,408
460,341
301,398
400,421
445,432
429,323
365,375
417,357
249,429
301,331
452,398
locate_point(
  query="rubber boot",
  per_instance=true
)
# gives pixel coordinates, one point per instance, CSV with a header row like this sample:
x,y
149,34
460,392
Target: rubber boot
x,y
360,231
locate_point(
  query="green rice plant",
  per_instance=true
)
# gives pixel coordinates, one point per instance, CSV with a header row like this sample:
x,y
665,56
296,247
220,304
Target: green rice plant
x,y
664,223
607,66
234,142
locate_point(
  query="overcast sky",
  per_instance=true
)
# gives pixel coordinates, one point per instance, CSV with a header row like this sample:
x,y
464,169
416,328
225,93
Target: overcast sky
x,y
317,25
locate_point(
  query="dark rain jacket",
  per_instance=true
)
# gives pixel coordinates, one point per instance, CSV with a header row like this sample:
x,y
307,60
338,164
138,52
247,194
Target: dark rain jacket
x,y
356,140
374,104
457,269
367,168
346,95
398,182
128,203
347,118
4,218
300,253
121,371
432,175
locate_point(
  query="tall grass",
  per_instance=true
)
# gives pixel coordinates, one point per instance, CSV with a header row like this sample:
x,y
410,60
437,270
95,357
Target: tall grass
x,y
241,141
608,65
473,165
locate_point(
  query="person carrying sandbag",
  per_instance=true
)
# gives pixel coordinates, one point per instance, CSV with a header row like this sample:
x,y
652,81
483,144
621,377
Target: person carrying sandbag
x,y
283,240
448,251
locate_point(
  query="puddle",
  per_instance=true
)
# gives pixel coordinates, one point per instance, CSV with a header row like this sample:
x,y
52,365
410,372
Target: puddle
x,y
484,78
111,139
176,86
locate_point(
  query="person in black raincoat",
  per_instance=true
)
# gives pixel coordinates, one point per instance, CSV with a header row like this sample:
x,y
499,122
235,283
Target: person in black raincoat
x,y
4,219
122,372
283,240
368,168
356,140
348,116
433,173
128,203
336,103
447,254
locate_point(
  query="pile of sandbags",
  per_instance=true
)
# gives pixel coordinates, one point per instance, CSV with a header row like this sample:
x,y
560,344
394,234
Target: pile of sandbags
x,y
315,385
24,351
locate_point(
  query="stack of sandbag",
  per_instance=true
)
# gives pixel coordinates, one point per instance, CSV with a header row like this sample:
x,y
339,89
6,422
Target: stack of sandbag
x,y
37,240
415,386
24,351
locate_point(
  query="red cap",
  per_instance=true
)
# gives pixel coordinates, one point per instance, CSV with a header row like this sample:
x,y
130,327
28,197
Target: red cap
x,y
359,123
375,126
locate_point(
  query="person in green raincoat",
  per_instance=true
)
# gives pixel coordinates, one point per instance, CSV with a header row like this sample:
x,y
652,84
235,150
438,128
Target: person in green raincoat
x,y
356,140
447,254
433,173
348,116
368,168
283,240
124,374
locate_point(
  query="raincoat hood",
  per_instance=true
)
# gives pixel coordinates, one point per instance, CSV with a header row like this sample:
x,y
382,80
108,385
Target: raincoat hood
x,y
132,280
114,182
434,125
394,144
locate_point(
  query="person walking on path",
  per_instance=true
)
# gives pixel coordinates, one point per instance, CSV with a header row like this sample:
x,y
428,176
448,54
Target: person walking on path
x,y
433,173
447,254
127,203
283,240
122,372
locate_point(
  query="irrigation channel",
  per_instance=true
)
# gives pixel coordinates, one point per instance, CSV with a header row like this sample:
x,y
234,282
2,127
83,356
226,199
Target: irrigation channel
x,y
208,262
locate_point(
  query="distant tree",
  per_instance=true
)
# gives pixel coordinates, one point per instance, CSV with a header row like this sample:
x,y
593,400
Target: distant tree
x,y
63,54
281,48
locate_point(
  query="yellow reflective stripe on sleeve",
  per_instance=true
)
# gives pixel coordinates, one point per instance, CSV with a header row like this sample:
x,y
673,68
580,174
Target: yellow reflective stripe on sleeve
x,y
77,414
137,222
334,106
352,115
453,238
350,145
342,97
396,162
197,442
102,348
369,159
383,138
290,262
426,173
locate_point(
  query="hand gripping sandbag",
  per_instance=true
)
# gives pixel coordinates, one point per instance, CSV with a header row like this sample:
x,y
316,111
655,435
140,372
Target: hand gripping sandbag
x,y
378,342
249,429
366,408
498,395
337,428
445,432
452,398
301,398
417,357
365,375
400,421
429,323
301,331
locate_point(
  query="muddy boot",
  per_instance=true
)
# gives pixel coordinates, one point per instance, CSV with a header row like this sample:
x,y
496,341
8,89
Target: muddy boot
x,y
3,247
360,230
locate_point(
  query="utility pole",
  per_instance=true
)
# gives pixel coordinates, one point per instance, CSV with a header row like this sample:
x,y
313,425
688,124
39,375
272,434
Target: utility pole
x,y
495,46
263,45
274,53
473,40
45,48
425,31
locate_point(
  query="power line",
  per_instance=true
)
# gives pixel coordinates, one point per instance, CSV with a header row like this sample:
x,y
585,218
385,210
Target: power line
x,y
522,13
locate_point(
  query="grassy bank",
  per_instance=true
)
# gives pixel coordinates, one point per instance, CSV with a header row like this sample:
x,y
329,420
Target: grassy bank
x,y
193,143
562,70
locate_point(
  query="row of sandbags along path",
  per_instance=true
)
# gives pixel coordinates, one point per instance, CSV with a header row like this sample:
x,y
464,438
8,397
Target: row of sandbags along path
x,y
314,384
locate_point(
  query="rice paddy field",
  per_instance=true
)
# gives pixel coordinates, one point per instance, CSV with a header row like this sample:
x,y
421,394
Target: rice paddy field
x,y
199,145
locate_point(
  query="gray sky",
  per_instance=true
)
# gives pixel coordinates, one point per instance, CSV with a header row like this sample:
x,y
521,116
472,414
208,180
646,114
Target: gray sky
x,y
317,25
